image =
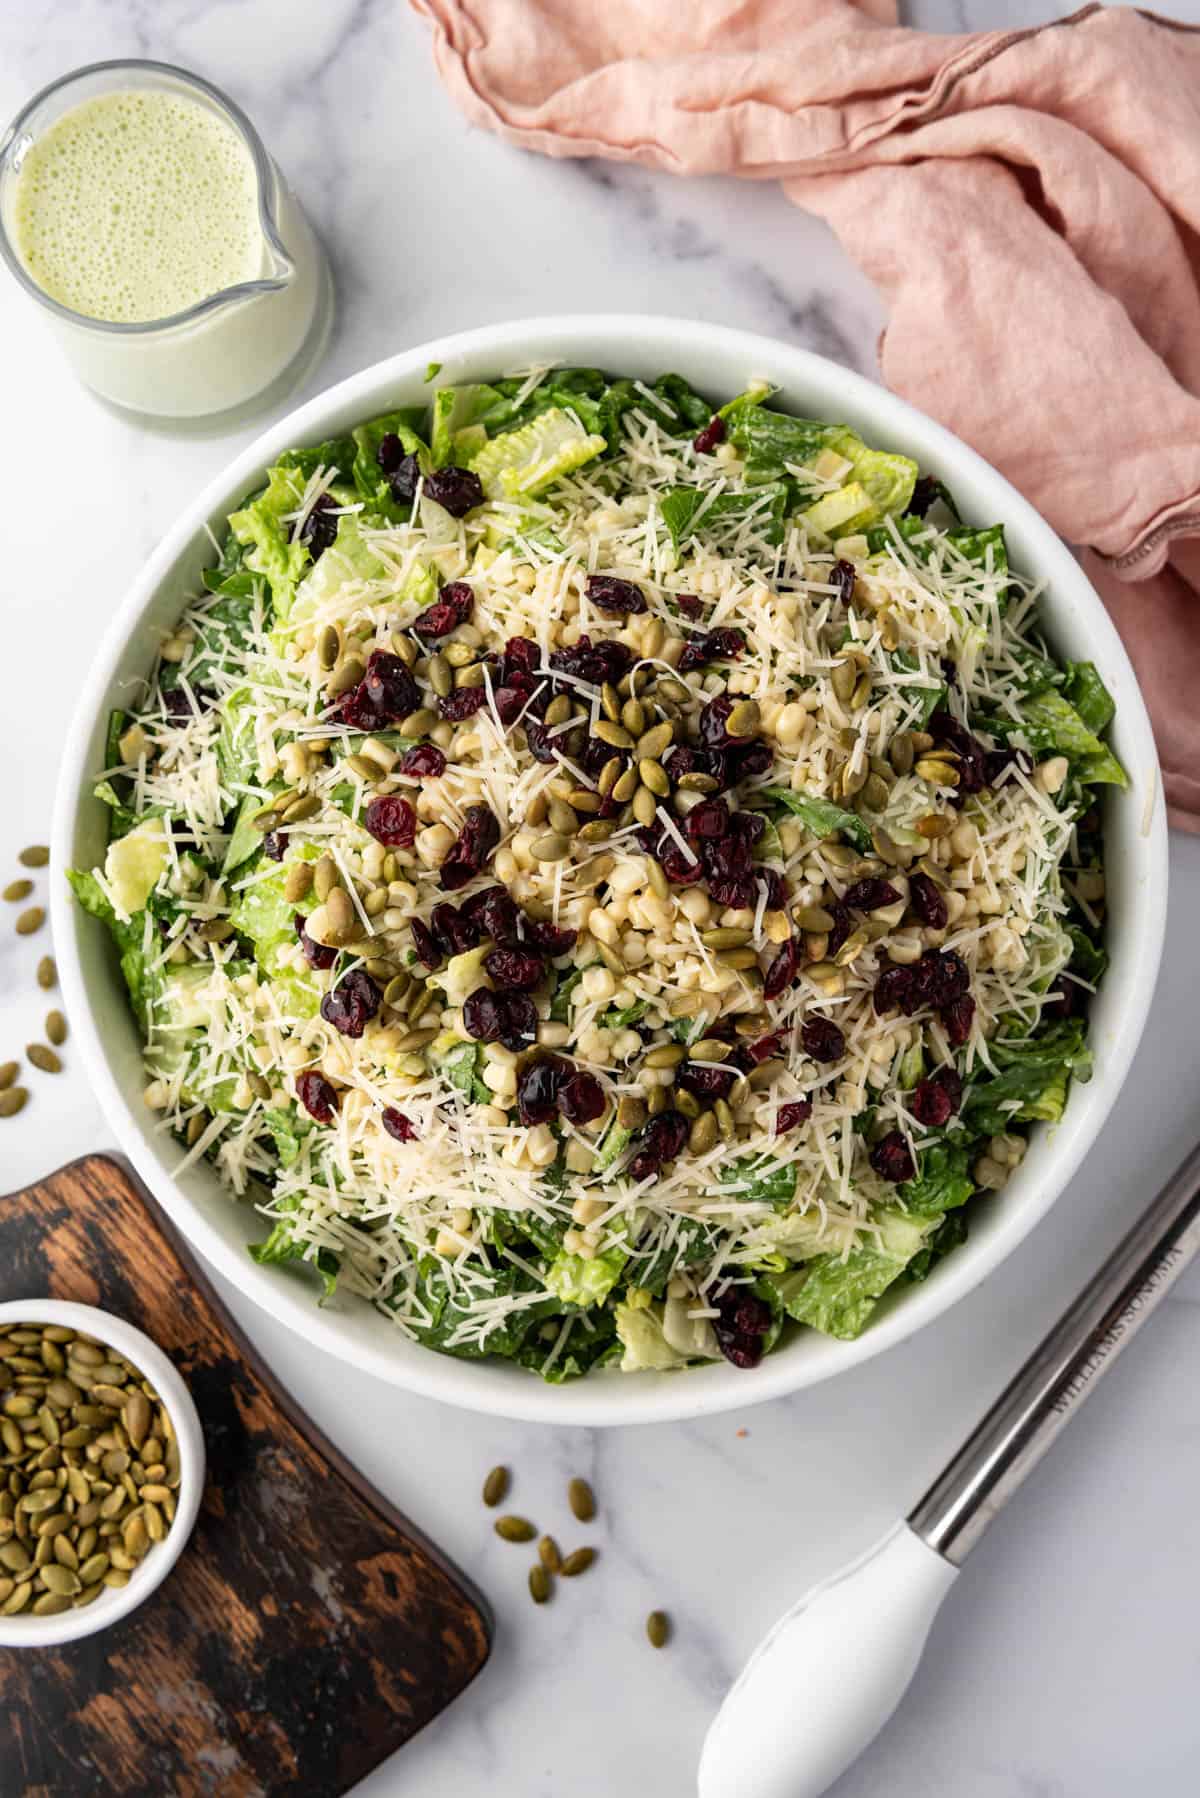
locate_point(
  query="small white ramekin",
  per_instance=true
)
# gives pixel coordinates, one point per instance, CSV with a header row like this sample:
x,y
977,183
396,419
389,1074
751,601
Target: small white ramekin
x,y
26,1631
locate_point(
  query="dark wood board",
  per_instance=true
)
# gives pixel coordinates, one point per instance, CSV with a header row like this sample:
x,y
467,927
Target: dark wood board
x,y
307,1631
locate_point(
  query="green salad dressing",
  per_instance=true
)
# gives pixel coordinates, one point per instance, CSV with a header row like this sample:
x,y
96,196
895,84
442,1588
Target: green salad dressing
x,y
134,206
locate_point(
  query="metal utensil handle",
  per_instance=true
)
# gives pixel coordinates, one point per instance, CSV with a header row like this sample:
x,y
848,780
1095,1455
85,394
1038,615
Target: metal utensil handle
x,y
1063,1370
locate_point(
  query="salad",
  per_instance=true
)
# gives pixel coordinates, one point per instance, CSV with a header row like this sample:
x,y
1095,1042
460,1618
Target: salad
x,y
611,881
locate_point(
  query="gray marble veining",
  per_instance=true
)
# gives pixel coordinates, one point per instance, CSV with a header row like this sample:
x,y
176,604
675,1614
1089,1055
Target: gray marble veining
x,y
1063,1666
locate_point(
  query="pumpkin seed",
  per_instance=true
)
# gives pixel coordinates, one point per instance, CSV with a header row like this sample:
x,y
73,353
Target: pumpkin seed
x,y
582,799
610,703
459,655
135,1535
540,1584
654,776
631,1112
514,1529
441,676
744,719
633,717
297,881
578,1562
422,999
8,1073
550,1555
116,1577
666,1055
396,989
339,910
17,890
405,648
562,817
362,767
726,936
615,734
12,1101
13,1555
35,856
495,1487
703,1134
553,847
93,1569
418,723
325,878
842,680
136,1418
658,1629
645,806
345,677
609,775
653,744
306,806
60,1579
934,825
17,1600
598,831
31,920
933,769
625,786
329,647
56,1028
658,881
582,1500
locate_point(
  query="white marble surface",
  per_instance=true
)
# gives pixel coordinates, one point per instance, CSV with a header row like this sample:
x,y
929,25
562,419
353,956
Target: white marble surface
x,y
1064,1664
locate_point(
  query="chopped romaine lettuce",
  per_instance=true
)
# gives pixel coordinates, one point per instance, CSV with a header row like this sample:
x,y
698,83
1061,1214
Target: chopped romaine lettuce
x,y
521,464
822,817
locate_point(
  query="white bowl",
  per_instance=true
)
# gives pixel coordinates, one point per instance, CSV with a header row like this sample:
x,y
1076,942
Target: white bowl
x,y
27,1631
719,362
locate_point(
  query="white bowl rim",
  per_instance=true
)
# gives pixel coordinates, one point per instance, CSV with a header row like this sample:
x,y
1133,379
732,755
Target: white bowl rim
x,y
592,339
27,1631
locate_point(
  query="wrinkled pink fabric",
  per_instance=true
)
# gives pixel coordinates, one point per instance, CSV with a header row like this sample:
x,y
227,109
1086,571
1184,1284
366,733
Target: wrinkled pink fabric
x,y
1027,201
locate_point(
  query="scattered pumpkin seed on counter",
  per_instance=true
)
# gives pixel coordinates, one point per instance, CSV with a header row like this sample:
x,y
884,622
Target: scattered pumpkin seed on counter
x,y
91,1468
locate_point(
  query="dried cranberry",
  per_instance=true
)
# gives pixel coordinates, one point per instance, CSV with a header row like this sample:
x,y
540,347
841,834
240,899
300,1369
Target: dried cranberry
x,y
397,1125
747,827
390,689
706,440
538,1087
177,703
496,915
680,869
689,604
470,851
453,606
352,1003
708,819
946,974
515,969
581,1099
457,490
520,1022
426,762
275,845
315,954
552,939
706,1082
737,891
822,1039
484,1015
781,970
776,888
391,820
926,901
463,703
404,479
453,931
935,1100
720,645
925,491
842,577
521,656
661,1140
730,854
617,598
957,1018
713,720
423,942
390,452
743,1321
595,663
541,743
317,1096
509,703
320,526
843,924
1064,1000
895,990
870,895
764,1048
792,1115
686,760
972,756
892,1158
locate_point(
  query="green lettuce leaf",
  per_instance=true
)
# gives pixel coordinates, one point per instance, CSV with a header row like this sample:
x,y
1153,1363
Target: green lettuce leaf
x,y
591,1342
281,1249
949,1233
679,507
838,1296
1050,724
758,1180
620,1017
1089,695
462,1066
370,482
267,539
821,816
127,937
943,1181
576,1281
518,465
1031,1080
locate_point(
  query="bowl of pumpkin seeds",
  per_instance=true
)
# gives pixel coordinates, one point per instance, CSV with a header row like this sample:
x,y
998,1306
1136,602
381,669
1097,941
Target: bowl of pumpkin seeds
x,y
102,1457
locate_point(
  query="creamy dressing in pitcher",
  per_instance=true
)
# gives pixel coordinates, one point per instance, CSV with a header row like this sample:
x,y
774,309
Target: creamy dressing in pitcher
x,y
136,205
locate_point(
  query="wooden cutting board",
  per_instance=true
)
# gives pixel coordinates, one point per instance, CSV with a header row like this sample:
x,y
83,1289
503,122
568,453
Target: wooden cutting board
x,y
308,1629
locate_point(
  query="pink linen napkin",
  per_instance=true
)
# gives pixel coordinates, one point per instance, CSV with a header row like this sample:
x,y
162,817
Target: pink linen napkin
x,y
1028,202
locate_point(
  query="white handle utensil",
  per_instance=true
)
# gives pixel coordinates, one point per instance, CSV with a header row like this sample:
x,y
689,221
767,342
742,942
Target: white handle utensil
x,y
827,1678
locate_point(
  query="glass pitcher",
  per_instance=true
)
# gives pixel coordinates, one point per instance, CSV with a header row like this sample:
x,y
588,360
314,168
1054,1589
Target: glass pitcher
x,y
231,353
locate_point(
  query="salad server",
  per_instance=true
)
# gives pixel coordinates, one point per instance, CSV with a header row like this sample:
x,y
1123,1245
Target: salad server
x,y
821,1685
